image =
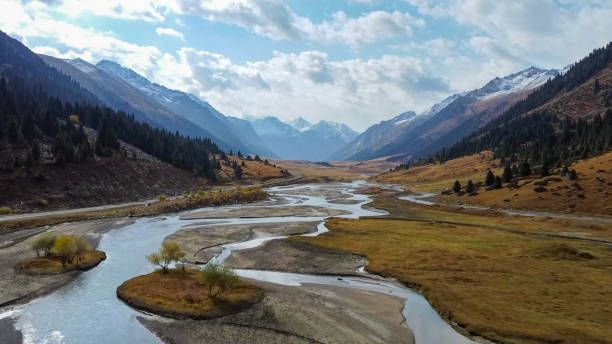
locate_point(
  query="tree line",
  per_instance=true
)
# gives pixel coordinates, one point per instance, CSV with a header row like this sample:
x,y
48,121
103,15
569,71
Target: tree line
x,y
33,118
542,138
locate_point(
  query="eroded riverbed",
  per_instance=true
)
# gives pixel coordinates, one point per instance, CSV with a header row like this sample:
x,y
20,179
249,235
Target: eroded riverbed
x,y
87,309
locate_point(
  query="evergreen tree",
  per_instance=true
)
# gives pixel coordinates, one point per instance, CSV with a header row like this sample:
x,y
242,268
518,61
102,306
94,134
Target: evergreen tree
x,y
13,132
36,151
564,171
525,169
238,171
507,175
544,170
457,186
28,128
470,187
497,184
29,162
490,179
573,175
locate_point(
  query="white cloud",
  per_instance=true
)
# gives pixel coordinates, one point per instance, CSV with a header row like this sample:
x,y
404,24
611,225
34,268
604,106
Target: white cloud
x,y
357,32
542,32
354,91
275,19
30,23
167,31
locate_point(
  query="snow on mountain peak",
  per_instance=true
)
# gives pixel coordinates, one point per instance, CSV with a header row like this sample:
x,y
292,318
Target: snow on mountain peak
x,y
527,79
300,124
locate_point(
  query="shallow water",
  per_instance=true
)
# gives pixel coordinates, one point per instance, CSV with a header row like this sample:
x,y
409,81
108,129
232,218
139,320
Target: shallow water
x,y
87,310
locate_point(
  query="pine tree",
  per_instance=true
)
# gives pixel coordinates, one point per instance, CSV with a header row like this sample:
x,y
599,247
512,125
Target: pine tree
x,y
36,151
238,171
507,175
13,132
29,162
564,171
525,169
457,186
573,175
497,184
544,170
490,179
470,187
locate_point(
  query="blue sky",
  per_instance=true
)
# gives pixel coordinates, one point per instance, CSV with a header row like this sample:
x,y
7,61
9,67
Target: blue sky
x,y
354,61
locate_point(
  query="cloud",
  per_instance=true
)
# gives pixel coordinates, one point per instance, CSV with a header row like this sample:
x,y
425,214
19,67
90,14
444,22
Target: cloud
x,y
276,20
355,91
68,40
543,32
166,31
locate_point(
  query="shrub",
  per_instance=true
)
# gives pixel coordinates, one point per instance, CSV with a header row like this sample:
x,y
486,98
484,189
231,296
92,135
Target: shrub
x,y
65,247
219,279
170,252
5,210
162,197
43,244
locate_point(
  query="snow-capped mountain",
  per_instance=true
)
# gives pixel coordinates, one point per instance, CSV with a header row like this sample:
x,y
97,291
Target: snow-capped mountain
x,y
300,124
302,140
527,79
118,94
412,136
192,108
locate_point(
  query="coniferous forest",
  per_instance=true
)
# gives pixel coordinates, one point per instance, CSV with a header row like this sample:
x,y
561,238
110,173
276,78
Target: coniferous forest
x,y
542,137
39,104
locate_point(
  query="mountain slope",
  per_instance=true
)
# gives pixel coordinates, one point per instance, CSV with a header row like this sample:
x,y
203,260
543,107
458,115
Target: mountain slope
x,y
566,119
61,146
446,122
120,95
185,105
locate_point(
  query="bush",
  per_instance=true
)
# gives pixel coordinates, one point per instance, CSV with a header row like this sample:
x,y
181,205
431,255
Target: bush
x,y
162,197
65,247
43,244
220,280
170,252
5,210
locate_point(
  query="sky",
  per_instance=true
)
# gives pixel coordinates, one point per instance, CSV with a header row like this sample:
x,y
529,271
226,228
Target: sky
x,y
353,61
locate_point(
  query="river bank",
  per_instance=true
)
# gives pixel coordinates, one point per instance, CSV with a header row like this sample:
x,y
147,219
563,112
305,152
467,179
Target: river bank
x,y
16,287
296,315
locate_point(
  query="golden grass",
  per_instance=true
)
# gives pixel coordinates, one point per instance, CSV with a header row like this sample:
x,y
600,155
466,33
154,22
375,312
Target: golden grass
x,y
436,177
506,287
408,210
181,294
253,170
53,264
592,196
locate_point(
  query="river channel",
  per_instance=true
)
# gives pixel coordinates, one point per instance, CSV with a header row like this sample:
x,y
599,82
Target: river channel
x,y
88,311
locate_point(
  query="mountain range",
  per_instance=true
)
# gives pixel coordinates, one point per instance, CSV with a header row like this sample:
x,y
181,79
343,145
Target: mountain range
x,y
302,140
410,135
123,89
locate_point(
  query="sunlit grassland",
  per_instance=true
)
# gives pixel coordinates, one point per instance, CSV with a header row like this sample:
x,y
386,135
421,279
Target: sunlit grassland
x,y
503,286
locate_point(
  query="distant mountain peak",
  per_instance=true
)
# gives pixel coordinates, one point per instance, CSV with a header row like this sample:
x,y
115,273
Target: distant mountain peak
x,y
300,124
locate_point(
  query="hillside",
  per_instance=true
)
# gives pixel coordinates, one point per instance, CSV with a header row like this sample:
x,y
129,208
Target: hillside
x,y
78,153
411,136
120,95
589,193
189,107
568,118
